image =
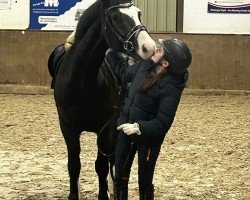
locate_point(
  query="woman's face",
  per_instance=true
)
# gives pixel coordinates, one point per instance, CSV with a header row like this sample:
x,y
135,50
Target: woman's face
x,y
159,53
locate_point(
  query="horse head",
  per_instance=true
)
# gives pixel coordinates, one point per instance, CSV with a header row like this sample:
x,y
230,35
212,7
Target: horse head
x,y
124,31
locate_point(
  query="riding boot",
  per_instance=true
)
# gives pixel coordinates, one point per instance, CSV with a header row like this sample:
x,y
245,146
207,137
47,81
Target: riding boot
x,y
147,194
121,192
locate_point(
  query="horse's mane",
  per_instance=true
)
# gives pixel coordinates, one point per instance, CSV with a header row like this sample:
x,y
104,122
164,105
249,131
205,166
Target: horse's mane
x,y
90,16
87,19
90,45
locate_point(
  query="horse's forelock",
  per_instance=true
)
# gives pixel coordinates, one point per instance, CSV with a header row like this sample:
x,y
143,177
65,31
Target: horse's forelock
x,y
117,2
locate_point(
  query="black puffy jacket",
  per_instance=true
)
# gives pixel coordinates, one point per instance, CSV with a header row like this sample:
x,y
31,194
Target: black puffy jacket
x,y
155,108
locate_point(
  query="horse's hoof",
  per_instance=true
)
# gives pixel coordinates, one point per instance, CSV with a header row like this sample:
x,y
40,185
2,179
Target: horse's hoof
x,y
73,197
104,195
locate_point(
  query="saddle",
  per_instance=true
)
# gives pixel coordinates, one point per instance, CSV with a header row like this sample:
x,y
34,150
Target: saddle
x,y
54,62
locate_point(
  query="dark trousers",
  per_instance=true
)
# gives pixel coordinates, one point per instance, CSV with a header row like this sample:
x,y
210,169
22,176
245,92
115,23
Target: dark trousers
x,y
124,156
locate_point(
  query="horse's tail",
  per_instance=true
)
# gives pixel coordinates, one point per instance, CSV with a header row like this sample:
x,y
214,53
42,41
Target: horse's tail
x,y
54,61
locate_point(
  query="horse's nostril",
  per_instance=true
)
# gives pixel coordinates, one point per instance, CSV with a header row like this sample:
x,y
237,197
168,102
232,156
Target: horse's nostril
x,y
144,49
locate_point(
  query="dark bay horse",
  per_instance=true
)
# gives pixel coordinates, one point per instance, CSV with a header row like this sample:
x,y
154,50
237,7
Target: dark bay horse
x,y
85,92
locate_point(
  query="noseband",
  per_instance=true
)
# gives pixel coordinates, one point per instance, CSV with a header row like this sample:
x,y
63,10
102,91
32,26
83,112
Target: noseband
x,y
127,44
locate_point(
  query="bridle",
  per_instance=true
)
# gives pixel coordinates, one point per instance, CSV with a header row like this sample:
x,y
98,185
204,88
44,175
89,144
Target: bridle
x,y
127,44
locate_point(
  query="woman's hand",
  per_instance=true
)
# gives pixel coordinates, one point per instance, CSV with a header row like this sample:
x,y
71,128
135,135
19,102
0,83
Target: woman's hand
x,y
129,129
113,58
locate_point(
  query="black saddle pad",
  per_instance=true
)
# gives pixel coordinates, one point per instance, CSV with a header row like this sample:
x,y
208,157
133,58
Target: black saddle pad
x,y
54,61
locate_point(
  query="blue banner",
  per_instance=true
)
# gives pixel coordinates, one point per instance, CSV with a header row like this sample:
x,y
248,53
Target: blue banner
x,y
48,14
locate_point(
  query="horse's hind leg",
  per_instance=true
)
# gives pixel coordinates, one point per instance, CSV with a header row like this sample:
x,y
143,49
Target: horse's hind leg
x,y
102,170
72,139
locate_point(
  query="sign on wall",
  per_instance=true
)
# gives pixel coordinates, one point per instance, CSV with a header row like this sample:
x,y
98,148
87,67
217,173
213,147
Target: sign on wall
x,y
57,14
229,6
14,14
5,4
198,19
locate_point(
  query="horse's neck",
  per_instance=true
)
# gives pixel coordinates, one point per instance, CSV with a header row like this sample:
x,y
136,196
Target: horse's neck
x,y
94,61
88,54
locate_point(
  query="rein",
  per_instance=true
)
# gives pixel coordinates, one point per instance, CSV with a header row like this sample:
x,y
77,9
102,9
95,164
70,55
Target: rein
x,y
127,44
122,92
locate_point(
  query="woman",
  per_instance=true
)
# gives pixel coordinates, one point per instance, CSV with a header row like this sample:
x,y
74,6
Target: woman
x,y
148,111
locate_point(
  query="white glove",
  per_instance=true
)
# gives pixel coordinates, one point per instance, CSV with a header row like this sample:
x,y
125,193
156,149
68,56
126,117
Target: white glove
x,y
129,129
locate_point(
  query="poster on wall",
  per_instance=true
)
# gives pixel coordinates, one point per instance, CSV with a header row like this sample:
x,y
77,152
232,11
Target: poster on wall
x,y
229,6
14,14
57,14
5,4
197,19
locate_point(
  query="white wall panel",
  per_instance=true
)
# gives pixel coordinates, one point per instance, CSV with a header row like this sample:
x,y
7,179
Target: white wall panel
x,y
158,15
14,14
197,19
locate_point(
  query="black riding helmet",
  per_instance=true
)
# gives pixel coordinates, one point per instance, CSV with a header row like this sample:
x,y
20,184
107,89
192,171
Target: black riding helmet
x,y
177,54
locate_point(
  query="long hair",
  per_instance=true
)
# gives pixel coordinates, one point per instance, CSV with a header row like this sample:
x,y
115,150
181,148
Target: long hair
x,y
153,76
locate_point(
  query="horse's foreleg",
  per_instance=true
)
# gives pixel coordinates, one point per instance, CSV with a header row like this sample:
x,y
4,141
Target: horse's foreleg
x,y
102,170
72,139
74,167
